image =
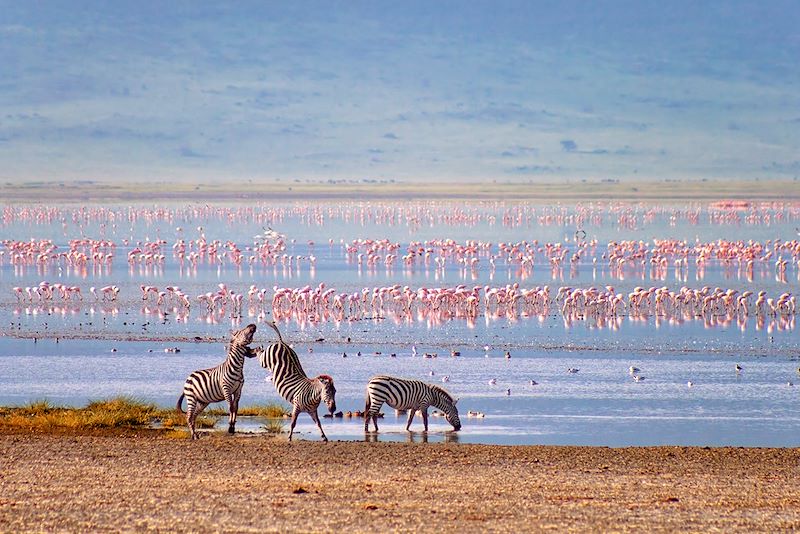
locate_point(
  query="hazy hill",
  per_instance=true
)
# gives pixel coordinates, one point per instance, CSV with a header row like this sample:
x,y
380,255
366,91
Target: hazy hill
x,y
400,90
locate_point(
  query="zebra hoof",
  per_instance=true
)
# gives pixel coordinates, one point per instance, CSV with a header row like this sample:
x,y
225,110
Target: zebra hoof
x,y
231,429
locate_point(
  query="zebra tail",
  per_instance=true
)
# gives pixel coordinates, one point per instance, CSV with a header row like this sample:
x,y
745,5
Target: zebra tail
x,y
178,406
366,407
275,327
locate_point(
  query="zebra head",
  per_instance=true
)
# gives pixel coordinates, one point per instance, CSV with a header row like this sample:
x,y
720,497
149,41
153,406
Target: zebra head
x,y
452,416
445,402
243,336
328,392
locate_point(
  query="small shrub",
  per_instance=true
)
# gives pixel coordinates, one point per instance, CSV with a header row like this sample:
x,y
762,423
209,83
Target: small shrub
x,y
273,426
119,412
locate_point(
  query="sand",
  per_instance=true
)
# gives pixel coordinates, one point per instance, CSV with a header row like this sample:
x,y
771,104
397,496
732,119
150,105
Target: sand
x,y
145,480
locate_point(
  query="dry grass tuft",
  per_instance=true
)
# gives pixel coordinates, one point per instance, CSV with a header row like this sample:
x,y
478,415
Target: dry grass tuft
x,y
274,426
119,412
271,411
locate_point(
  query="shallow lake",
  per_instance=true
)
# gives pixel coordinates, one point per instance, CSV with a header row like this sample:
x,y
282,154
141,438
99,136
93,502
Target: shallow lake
x,y
62,350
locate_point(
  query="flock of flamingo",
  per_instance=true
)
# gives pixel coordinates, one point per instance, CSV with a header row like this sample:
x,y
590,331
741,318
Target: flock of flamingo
x,y
601,306
623,261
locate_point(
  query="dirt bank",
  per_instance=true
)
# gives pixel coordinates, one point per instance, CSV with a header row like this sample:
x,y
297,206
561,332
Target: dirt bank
x,y
145,480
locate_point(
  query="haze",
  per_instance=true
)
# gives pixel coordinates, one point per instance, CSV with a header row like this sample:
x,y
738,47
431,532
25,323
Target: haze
x,y
406,91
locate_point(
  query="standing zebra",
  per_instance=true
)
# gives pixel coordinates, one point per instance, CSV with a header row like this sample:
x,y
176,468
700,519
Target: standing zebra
x,y
411,395
221,383
303,393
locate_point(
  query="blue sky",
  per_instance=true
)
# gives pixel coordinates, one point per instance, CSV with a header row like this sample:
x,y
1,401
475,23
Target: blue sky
x,y
450,91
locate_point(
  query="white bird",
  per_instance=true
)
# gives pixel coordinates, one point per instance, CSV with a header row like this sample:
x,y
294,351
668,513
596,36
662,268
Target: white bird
x,y
637,378
633,370
534,382
689,383
432,373
493,381
445,378
738,368
572,370
270,234
508,392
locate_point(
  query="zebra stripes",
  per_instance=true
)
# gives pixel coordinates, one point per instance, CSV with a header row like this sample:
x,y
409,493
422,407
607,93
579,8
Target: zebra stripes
x,y
221,383
411,395
303,393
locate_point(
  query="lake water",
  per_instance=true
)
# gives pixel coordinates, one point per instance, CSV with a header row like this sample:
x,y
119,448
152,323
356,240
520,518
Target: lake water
x,y
49,350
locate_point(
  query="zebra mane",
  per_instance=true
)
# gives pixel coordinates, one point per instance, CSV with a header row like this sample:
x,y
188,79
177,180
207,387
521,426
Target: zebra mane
x,y
325,377
442,391
275,327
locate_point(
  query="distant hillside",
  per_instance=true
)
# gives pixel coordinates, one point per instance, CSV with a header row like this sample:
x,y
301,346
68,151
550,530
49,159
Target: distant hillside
x,y
522,91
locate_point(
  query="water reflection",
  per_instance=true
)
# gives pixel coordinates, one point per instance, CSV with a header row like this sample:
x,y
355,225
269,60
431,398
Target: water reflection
x,y
448,436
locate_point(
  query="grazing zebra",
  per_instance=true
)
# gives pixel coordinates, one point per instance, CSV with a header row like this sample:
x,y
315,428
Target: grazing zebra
x,y
411,395
303,393
221,383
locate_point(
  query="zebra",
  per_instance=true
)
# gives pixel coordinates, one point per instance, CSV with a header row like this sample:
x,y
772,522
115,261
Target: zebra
x,y
411,395
221,383
303,393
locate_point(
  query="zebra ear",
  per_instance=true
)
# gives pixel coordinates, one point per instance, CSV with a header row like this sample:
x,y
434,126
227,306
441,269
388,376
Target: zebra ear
x,y
455,401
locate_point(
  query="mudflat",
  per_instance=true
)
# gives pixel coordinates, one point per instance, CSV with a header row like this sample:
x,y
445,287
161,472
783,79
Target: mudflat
x,y
92,192
147,480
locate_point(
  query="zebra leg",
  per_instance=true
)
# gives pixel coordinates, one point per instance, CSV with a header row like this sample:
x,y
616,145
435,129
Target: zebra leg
x,y
295,413
315,417
371,411
425,418
366,413
191,416
233,409
411,412
374,421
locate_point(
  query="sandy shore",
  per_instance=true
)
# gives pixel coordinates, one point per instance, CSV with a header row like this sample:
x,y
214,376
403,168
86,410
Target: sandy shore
x,y
277,191
147,481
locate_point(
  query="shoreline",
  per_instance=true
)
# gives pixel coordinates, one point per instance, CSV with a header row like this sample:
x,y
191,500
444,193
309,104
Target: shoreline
x,y
255,483
692,191
336,344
